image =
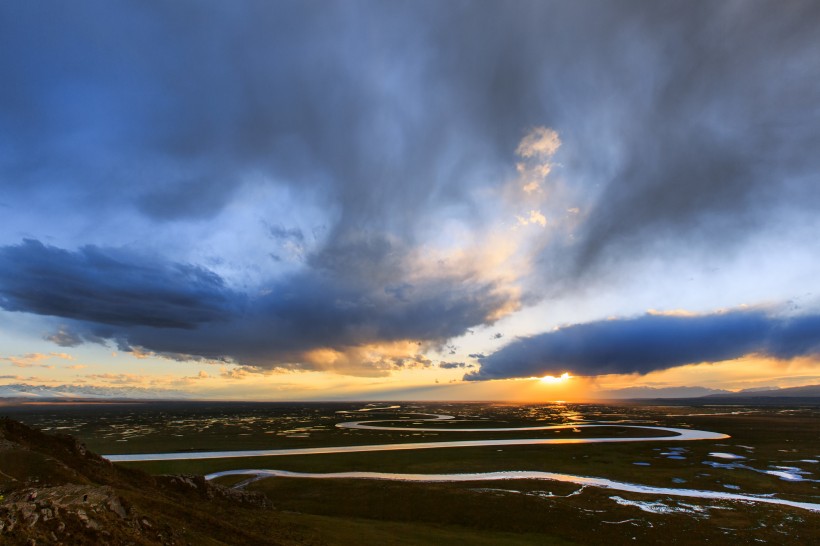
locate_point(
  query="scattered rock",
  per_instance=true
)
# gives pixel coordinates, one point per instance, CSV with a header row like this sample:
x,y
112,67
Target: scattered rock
x,y
116,506
99,503
32,519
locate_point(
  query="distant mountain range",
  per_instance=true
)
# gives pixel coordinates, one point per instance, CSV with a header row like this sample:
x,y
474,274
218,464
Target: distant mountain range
x,y
806,391
652,392
86,391
688,395
632,393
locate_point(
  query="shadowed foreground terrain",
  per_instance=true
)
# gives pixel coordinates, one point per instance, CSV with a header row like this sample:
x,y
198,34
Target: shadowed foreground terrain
x,y
55,491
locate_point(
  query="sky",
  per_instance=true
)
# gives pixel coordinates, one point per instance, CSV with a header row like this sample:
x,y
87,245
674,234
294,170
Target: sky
x,y
409,200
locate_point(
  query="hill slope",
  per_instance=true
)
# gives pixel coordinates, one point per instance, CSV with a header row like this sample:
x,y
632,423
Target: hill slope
x,y
52,490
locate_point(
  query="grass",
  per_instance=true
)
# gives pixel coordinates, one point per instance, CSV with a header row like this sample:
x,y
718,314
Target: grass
x,y
506,509
614,461
359,530
356,512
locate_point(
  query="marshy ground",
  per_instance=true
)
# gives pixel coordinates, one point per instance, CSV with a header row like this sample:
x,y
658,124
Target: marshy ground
x,y
771,451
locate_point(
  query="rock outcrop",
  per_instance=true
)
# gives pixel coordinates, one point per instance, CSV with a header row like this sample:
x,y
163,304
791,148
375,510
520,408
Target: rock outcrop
x,y
53,490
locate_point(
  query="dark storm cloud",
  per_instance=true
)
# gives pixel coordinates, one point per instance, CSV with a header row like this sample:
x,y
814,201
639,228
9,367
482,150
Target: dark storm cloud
x,y
722,148
170,308
110,288
391,109
652,342
167,108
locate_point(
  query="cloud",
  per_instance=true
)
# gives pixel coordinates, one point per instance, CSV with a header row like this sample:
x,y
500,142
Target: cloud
x,y
541,143
535,217
343,315
30,360
64,356
238,372
25,361
454,365
31,378
652,342
261,182
720,151
688,116
121,378
280,232
64,338
108,287
190,380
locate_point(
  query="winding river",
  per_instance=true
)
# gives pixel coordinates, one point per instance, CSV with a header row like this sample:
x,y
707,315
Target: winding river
x,y
519,475
675,434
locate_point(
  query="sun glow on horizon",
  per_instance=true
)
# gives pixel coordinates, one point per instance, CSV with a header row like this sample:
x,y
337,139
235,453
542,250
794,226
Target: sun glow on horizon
x,y
551,379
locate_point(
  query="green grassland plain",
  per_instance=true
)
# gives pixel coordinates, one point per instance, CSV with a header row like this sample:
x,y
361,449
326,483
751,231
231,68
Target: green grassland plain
x,y
510,511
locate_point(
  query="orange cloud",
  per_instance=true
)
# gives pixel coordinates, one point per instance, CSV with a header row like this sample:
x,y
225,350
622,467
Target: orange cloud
x,y
30,360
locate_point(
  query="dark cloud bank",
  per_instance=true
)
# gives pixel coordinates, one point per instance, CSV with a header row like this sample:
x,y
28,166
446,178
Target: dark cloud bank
x,y
111,288
173,308
693,125
652,342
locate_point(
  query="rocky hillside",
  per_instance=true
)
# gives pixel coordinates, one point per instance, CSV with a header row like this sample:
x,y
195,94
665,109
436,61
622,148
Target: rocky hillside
x,y
54,491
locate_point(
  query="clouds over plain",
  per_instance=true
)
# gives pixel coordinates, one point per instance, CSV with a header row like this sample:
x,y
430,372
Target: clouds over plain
x,y
653,342
345,188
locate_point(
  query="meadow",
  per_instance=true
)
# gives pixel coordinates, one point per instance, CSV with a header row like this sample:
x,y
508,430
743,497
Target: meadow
x,y
771,451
